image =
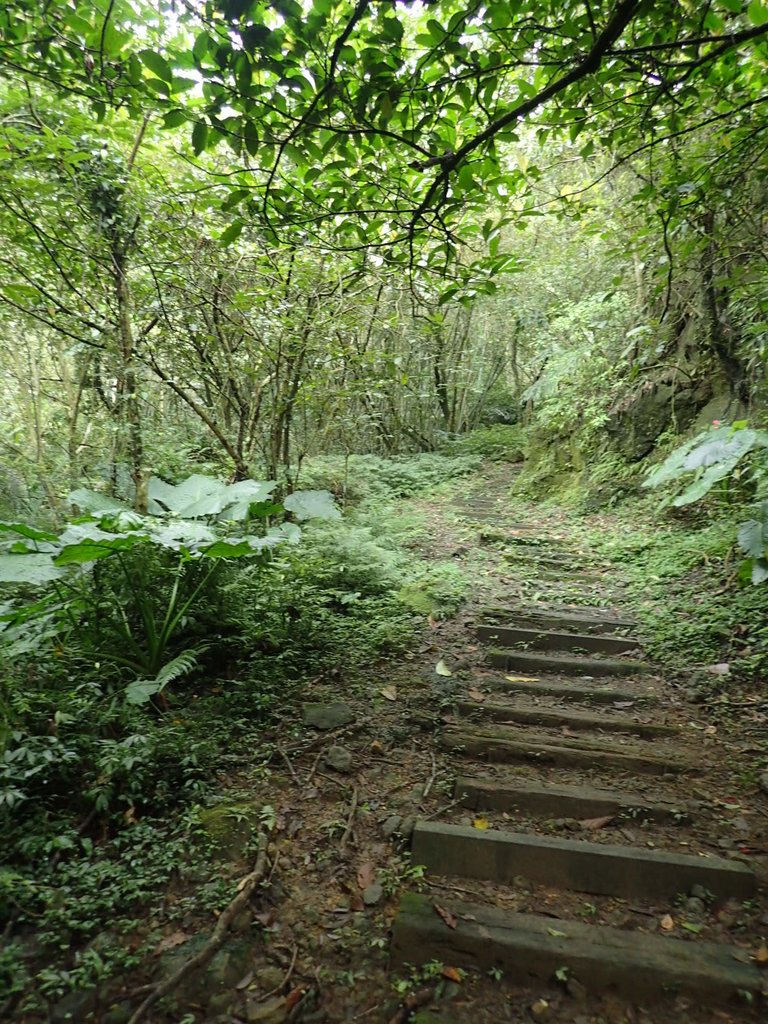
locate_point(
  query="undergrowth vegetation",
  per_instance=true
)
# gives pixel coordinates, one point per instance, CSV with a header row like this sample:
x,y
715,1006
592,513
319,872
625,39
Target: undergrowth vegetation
x,y
96,786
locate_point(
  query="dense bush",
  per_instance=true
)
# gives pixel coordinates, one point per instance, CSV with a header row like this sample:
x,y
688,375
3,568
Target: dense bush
x,y
356,479
500,442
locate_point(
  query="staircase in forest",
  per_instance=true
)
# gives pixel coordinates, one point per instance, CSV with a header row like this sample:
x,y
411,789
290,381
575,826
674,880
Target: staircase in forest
x,y
573,786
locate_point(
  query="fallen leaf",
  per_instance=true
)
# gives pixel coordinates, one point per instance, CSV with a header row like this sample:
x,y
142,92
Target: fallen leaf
x,y
481,823
722,668
171,941
695,928
245,981
376,747
446,915
476,694
522,679
595,823
442,669
622,704
366,875
293,997
667,922
390,692
556,934
761,956
452,974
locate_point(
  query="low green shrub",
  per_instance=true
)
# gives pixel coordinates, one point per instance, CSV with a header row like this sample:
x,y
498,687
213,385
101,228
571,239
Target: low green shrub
x,y
500,442
357,479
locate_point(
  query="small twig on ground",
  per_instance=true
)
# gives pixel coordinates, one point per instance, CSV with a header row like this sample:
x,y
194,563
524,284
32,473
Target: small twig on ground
x,y
442,810
449,888
414,1001
287,760
287,977
430,780
350,820
245,890
313,769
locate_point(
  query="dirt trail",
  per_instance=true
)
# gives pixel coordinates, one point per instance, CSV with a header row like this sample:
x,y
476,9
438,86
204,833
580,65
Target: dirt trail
x,y
586,859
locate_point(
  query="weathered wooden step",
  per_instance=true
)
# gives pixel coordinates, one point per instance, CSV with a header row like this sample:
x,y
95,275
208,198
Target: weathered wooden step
x,y
576,865
509,745
531,714
552,801
527,947
549,640
597,621
585,693
564,664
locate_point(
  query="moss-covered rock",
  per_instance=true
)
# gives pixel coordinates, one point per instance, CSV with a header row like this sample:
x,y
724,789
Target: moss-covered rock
x,y
230,828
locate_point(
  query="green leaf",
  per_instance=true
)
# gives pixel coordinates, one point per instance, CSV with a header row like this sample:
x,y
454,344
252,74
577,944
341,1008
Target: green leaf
x,y
753,535
231,233
24,530
199,137
312,505
91,501
174,118
34,568
157,65
757,13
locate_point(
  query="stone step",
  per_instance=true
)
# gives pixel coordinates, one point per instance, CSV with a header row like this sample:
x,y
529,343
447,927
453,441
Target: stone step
x,y
508,745
564,664
599,620
599,868
605,960
550,801
548,640
585,693
531,714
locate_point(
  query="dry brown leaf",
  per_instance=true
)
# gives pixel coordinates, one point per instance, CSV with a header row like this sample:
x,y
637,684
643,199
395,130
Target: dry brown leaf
x,y
761,956
376,747
366,875
293,997
667,923
522,679
170,942
452,974
446,915
476,694
390,692
595,823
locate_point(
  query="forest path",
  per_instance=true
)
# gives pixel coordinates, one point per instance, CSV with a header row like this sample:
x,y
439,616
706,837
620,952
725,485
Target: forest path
x,y
584,856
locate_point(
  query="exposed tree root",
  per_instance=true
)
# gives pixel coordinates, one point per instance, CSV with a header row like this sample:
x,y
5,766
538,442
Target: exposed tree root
x,y
245,890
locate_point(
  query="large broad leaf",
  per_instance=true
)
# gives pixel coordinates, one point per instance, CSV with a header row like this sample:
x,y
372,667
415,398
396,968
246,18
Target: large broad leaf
x,y
312,505
245,493
32,568
703,484
753,535
721,447
239,547
91,501
87,542
759,570
200,495
182,536
24,530
672,467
